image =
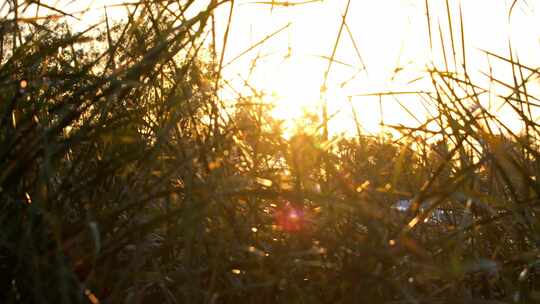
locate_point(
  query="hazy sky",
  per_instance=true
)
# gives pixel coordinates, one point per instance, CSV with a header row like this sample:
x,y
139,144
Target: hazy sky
x,y
388,34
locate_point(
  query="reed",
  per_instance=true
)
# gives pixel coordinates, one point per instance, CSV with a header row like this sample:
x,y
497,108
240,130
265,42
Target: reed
x,y
125,178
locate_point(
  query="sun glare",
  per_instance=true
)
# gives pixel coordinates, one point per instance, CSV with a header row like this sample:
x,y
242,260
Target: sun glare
x,y
384,46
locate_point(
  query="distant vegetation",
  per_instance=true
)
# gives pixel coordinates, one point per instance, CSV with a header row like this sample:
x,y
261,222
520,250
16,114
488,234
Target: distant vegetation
x,y
125,179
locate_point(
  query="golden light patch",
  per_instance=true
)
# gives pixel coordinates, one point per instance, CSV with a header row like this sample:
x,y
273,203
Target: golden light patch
x,y
363,186
91,297
263,182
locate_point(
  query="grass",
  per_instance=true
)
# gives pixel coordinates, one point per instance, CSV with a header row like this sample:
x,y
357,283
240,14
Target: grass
x,y
124,178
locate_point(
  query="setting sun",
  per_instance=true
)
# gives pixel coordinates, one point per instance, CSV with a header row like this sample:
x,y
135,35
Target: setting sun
x,y
282,50
384,46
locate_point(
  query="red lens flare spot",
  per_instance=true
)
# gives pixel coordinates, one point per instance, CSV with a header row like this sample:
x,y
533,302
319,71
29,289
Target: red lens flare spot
x,y
293,215
290,219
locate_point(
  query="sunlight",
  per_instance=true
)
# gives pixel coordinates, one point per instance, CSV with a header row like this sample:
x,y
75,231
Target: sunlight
x,y
385,46
365,65
293,89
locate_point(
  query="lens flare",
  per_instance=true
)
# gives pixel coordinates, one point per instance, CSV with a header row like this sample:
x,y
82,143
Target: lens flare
x,y
290,218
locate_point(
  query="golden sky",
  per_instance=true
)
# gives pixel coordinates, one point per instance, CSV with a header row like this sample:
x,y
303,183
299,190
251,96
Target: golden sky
x,y
388,35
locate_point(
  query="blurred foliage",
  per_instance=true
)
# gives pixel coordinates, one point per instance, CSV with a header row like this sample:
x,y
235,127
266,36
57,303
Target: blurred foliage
x,y
124,178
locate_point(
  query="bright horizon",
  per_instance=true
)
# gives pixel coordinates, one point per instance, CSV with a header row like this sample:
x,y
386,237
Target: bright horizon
x,y
391,35
384,48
